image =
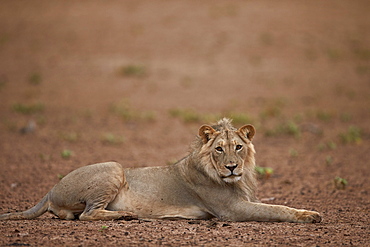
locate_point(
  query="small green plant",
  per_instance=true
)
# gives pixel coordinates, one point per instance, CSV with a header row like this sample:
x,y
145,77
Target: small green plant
x,y
40,120
340,183
328,160
264,172
353,135
10,125
28,109
286,128
321,147
345,117
66,154
334,54
324,116
186,115
329,145
332,145
112,139
103,228
292,129
147,116
293,152
362,53
273,108
239,118
35,79
88,113
133,71
123,110
44,157
298,118
60,176
271,111
191,116
70,136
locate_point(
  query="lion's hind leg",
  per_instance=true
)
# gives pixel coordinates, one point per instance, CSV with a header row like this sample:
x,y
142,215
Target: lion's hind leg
x,y
64,214
103,214
97,203
94,208
87,191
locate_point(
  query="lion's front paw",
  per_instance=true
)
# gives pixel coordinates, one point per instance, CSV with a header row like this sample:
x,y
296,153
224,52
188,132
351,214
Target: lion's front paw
x,y
305,216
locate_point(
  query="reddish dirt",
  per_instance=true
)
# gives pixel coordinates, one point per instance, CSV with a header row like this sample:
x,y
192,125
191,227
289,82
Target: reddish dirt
x,y
302,63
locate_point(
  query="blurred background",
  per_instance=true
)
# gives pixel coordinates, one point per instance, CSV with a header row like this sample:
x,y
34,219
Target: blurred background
x,y
133,80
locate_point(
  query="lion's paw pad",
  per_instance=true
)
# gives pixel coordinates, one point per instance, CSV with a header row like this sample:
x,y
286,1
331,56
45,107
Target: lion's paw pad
x,y
308,216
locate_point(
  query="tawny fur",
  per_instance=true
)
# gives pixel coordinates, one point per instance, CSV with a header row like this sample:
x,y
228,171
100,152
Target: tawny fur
x,y
216,179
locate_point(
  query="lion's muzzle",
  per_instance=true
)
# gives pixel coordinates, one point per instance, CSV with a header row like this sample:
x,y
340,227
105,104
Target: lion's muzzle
x,y
232,174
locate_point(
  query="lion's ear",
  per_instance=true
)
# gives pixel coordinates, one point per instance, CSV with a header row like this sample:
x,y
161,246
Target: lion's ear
x,y
247,131
205,132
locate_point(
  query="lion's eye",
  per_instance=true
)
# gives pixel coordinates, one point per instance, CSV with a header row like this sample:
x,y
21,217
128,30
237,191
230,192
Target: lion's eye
x,y
238,147
219,149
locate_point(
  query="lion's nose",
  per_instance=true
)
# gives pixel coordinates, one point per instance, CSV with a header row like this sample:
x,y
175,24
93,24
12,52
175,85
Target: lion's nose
x,y
231,167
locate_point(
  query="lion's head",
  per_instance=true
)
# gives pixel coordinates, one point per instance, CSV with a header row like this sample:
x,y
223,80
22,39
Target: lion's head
x,y
226,153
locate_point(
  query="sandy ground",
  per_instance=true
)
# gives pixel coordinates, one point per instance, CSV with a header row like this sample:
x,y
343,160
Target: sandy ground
x,y
132,81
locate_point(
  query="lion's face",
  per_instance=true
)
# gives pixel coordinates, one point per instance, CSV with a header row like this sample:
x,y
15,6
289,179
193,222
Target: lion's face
x,y
229,150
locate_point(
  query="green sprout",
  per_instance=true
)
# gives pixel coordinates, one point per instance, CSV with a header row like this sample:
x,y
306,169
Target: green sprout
x,y
239,118
186,115
264,172
334,54
324,115
70,136
353,135
35,79
112,139
66,154
328,160
28,109
133,70
332,145
103,228
123,110
293,152
44,157
345,117
286,128
340,183
329,145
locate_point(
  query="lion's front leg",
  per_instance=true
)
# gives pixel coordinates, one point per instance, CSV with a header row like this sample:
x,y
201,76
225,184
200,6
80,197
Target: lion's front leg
x,y
250,211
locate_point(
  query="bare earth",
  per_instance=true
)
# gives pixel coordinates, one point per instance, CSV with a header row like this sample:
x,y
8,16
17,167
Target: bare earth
x,y
132,81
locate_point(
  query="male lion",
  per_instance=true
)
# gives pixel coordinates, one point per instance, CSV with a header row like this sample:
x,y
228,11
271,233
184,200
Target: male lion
x,y
216,179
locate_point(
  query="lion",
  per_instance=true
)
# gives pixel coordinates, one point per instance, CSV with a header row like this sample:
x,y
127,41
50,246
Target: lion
x,y
216,180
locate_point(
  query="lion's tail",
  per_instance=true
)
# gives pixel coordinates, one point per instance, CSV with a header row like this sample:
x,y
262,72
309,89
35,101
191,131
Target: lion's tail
x,y
31,213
